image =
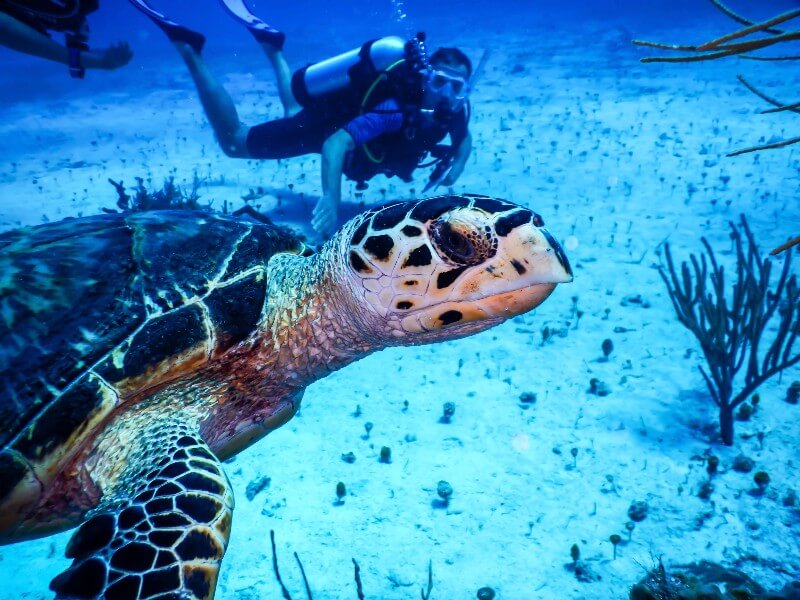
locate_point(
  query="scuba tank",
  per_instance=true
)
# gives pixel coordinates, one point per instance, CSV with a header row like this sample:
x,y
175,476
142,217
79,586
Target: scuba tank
x,y
356,71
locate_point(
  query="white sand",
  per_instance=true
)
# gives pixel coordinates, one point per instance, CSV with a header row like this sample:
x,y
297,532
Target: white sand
x,y
605,149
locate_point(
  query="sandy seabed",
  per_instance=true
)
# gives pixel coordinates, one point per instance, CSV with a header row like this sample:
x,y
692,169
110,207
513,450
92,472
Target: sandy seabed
x,y
618,157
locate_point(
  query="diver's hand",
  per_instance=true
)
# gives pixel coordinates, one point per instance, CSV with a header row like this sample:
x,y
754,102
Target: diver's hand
x,y
110,58
454,173
325,215
460,157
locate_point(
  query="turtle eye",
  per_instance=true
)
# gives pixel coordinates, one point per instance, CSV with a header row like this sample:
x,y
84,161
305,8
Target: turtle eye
x,y
458,246
454,245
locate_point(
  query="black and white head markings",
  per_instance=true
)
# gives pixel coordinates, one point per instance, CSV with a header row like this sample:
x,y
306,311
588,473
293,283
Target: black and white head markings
x,y
461,263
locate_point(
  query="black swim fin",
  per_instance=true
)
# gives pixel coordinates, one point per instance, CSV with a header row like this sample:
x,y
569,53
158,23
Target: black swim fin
x,y
263,33
174,31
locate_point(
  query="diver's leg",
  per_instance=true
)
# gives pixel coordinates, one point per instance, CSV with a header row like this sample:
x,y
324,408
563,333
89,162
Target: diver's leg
x,y
217,103
271,41
283,77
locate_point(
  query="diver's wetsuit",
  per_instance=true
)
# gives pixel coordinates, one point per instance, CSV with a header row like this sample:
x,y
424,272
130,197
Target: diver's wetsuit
x,y
395,143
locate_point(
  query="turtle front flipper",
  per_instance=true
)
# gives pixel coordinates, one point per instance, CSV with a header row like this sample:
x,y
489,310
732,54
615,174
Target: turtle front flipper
x,y
163,532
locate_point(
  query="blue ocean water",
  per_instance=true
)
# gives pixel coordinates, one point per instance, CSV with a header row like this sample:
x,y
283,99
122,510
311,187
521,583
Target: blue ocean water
x,y
619,157
320,29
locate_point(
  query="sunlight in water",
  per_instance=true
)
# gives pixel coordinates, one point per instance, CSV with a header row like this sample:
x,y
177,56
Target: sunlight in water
x,y
521,442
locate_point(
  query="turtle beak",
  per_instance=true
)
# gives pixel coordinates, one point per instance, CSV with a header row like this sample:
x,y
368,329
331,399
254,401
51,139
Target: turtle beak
x,y
528,266
561,256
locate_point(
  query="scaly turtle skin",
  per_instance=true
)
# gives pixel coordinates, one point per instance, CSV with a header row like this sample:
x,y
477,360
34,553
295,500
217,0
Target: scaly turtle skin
x,y
139,351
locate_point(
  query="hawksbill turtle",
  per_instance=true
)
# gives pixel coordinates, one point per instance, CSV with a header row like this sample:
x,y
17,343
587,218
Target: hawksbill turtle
x,y
138,351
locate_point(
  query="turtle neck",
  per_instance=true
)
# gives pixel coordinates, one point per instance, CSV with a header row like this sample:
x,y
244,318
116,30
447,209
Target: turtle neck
x,y
314,323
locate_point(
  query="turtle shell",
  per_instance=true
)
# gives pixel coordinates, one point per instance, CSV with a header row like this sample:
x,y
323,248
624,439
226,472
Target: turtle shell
x,y
94,311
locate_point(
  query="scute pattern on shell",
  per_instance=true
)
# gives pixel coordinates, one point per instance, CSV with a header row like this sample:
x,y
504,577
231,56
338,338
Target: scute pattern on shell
x,y
86,302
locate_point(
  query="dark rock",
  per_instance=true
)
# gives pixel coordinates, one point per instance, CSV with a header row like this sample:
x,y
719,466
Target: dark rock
x,y
638,510
598,388
793,393
745,412
635,300
743,464
256,486
486,593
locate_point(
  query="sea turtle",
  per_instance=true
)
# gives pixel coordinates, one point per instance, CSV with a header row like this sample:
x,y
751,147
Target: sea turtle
x,y
140,350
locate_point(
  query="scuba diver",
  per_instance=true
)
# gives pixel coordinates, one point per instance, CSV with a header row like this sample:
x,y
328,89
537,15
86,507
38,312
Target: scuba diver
x,y
379,109
25,27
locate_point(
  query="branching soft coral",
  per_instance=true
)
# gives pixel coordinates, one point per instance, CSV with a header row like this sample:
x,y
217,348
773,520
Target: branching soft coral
x,y
754,36
730,322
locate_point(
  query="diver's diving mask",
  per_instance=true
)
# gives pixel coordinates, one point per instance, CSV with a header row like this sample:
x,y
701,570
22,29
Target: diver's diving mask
x,y
444,83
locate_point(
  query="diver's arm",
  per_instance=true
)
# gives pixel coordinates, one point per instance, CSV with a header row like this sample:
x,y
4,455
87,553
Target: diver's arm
x,y
460,157
334,151
386,118
16,35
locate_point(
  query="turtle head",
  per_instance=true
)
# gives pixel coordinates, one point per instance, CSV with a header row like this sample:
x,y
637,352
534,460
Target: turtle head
x,y
449,266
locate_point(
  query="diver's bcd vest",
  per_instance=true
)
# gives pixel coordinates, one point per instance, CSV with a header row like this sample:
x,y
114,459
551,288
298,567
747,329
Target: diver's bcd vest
x,y
400,153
